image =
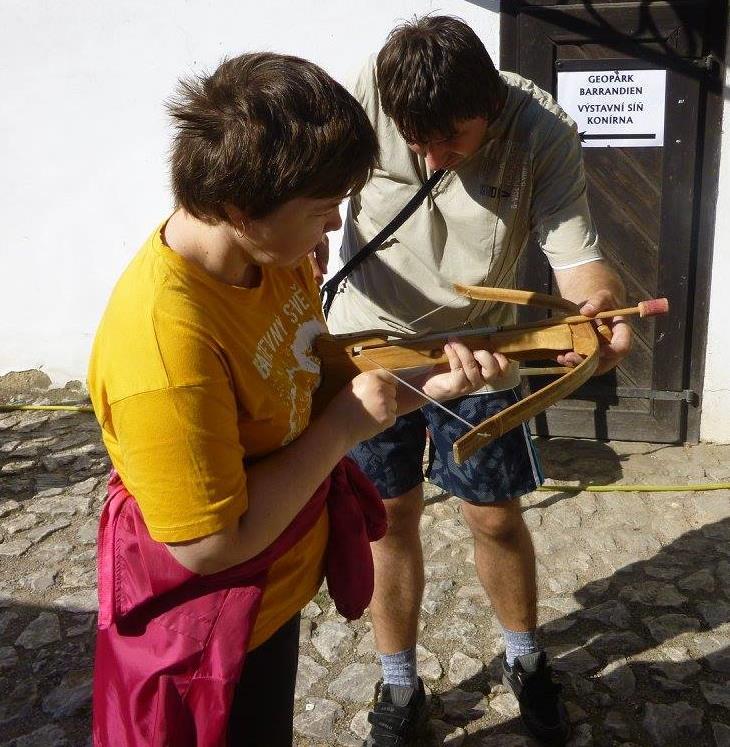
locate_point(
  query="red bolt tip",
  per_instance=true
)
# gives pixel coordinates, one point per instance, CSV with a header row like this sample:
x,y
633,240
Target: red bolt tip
x,y
653,307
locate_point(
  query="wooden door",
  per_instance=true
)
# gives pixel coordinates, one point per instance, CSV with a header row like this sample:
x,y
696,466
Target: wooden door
x,y
647,202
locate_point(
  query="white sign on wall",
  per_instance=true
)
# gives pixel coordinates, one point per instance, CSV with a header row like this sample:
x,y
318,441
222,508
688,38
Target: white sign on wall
x,y
615,108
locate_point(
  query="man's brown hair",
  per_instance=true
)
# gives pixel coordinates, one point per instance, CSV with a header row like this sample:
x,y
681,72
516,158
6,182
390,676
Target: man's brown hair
x,y
434,71
265,128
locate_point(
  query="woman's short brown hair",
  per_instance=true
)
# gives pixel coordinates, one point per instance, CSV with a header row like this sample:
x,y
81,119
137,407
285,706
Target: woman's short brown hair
x,y
433,72
265,128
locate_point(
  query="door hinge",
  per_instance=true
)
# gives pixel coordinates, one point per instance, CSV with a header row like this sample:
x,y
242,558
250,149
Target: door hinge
x,y
685,395
689,396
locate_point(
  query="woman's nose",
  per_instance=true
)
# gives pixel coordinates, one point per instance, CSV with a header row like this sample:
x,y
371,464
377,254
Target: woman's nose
x,y
334,221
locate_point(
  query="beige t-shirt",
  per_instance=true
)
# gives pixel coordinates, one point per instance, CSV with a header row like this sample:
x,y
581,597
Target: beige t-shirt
x,y
527,178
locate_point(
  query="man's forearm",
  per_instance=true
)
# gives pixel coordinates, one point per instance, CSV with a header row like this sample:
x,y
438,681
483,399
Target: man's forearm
x,y
578,284
596,287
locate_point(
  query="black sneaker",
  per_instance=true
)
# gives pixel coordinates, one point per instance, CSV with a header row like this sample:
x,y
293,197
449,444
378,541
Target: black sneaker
x,y
398,717
542,711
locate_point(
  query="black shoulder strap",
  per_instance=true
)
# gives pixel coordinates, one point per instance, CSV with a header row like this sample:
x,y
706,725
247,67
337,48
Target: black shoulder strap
x,y
329,289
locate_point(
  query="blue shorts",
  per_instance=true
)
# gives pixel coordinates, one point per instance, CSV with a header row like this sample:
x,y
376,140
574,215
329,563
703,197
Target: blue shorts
x,y
507,468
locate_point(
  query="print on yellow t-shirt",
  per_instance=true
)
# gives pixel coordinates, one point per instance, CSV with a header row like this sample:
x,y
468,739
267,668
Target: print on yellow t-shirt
x,y
286,381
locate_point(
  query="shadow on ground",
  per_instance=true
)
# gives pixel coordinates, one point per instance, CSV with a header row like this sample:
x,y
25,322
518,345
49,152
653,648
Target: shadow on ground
x,y
45,700
662,685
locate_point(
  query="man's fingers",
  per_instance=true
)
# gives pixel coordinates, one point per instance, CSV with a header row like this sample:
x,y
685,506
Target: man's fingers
x,y
454,360
569,359
493,365
385,378
611,351
622,336
603,300
503,362
467,363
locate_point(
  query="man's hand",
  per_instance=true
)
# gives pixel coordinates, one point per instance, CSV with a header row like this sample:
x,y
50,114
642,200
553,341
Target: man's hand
x,y
612,351
468,371
595,287
319,258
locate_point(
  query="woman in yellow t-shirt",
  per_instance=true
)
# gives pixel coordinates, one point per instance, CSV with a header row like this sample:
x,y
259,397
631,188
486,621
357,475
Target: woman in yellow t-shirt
x,y
202,371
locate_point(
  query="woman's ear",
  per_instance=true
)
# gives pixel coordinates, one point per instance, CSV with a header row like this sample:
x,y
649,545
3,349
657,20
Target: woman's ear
x,y
237,218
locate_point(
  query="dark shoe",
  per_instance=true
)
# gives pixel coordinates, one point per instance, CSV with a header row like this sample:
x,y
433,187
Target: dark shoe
x,y
542,711
398,717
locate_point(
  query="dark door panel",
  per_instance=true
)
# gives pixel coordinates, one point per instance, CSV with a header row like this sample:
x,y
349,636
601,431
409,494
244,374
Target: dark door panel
x,y
645,201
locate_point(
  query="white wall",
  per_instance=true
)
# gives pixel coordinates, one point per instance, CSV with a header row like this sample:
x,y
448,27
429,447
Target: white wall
x,y
83,136
83,143
715,422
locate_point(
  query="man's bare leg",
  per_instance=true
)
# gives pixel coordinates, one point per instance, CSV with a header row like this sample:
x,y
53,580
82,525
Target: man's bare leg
x,y
398,558
505,562
401,703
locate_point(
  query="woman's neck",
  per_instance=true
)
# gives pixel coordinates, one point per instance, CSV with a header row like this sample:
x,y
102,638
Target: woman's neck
x,y
213,247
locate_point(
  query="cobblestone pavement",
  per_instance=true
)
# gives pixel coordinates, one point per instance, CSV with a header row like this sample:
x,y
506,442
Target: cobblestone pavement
x,y
634,602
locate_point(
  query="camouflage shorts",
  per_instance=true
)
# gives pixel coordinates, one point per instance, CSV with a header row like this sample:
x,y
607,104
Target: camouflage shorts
x,y
507,468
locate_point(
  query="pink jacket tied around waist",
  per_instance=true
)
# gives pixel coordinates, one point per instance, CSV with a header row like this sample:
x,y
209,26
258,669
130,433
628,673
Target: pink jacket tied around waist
x,y
171,644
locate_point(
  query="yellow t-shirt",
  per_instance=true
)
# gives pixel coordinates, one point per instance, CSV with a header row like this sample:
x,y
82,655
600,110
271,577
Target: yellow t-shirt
x,y
189,378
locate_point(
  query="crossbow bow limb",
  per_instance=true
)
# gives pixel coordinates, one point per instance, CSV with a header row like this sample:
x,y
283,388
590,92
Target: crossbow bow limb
x,y
345,356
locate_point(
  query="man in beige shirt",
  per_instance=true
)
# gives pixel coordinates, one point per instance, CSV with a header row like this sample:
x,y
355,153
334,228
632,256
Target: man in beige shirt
x,y
514,169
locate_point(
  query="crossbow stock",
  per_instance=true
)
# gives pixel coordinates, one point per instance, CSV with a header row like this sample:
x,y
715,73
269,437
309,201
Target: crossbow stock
x,y
345,356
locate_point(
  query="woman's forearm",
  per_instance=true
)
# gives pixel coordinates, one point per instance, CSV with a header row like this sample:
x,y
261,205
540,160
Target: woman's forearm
x,y
278,487
280,484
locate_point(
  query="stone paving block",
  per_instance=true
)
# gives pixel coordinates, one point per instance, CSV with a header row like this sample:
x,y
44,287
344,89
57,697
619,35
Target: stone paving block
x,y
721,732
72,694
355,683
45,629
677,723
50,735
318,718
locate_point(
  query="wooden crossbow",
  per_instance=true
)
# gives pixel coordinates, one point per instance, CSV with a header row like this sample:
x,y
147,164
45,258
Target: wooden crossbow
x,y
345,356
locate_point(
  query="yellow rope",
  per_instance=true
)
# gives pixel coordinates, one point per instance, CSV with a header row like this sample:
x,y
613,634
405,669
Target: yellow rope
x,y
71,408
635,488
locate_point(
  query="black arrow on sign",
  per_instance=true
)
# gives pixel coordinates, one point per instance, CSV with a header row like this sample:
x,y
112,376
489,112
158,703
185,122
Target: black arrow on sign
x,y
640,136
